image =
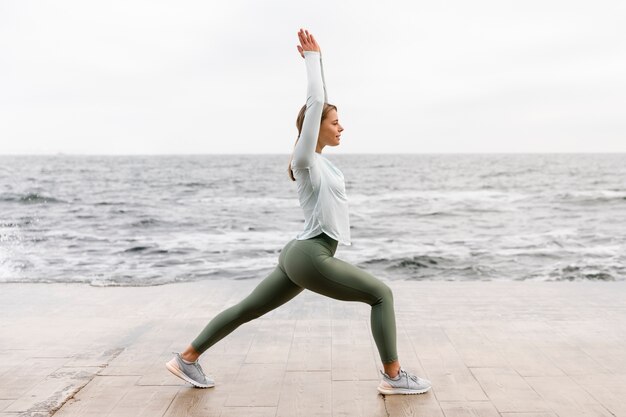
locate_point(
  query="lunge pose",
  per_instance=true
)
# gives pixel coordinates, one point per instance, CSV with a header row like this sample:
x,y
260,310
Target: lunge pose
x,y
308,260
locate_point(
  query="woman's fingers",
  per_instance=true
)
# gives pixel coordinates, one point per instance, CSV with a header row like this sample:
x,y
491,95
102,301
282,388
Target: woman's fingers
x,y
304,38
313,41
307,40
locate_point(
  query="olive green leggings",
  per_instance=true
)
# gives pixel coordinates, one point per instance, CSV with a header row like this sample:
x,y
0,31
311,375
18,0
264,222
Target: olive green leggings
x,y
311,264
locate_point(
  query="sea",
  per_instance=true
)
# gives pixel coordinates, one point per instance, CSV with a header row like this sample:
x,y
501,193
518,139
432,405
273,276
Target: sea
x,y
154,220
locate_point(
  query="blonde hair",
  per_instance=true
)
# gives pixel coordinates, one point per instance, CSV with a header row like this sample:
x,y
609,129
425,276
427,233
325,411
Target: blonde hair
x,y
299,122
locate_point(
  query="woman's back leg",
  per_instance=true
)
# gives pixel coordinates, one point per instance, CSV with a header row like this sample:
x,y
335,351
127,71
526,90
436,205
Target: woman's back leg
x,y
275,290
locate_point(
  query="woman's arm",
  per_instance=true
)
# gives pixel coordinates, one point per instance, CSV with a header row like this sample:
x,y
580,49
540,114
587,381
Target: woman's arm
x,y
316,97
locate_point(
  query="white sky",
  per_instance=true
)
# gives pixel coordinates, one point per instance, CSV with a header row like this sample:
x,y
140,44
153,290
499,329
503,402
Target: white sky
x,y
154,77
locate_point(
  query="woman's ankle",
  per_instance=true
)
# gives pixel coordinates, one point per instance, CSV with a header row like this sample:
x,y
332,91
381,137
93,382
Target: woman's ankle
x,y
392,369
190,354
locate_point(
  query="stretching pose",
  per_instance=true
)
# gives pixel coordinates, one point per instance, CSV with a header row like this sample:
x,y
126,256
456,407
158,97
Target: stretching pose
x,y
308,260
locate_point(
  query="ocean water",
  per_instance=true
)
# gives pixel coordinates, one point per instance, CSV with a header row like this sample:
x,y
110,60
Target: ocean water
x,y
151,220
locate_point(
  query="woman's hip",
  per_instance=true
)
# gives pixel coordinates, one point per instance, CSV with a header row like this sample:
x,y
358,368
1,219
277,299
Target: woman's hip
x,y
310,264
304,252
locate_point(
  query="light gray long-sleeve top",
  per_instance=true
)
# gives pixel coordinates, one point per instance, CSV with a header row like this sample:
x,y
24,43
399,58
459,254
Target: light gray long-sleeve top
x,y
321,186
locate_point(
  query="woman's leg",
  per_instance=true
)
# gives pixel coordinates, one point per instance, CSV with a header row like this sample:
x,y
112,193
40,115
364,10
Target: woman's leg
x,y
311,266
271,293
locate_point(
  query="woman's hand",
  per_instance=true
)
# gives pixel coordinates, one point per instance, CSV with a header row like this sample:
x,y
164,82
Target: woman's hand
x,y
307,42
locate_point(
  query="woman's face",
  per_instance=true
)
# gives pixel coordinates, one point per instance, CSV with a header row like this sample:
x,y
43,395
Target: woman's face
x,y
330,130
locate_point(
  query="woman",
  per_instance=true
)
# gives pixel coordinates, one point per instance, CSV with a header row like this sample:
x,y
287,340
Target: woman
x,y
308,260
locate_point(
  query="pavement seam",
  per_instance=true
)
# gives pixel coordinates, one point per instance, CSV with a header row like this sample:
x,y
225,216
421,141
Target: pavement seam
x,y
115,353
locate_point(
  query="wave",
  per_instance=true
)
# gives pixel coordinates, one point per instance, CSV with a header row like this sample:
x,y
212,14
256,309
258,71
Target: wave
x,y
137,249
560,250
488,194
438,214
9,224
583,273
507,174
153,250
593,196
24,221
107,203
250,201
196,184
451,196
413,262
149,222
454,268
30,198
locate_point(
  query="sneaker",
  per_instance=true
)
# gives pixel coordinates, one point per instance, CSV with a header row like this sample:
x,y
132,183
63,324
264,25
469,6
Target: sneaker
x,y
403,383
189,371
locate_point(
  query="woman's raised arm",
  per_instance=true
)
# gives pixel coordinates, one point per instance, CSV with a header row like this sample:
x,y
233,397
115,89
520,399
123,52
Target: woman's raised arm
x,y
316,97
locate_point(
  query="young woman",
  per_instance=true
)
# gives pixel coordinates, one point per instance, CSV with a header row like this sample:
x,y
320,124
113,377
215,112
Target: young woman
x,y
308,260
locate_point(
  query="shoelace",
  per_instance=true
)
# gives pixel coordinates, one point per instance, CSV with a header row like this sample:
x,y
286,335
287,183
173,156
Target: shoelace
x,y
197,365
408,375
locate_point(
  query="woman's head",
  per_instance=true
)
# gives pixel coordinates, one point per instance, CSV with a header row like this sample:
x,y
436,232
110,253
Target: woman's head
x,y
330,129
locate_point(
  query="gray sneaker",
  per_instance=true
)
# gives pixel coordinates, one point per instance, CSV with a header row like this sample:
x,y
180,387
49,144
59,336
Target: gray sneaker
x,y
403,383
190,372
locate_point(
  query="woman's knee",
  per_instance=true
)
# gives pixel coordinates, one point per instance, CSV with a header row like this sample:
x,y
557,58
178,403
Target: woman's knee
x,y
384,293
358,279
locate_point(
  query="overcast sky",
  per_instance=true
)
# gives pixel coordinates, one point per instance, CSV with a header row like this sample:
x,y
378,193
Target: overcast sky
x,y
155,77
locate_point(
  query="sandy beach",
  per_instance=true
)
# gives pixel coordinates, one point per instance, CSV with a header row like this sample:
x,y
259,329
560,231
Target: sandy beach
x,y
523,349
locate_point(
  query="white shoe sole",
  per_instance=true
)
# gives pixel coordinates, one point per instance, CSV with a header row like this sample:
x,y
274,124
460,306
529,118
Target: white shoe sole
x,y
404,391
176,371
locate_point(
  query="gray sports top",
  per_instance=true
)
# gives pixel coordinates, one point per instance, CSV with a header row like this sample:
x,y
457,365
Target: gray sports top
x,y
321,187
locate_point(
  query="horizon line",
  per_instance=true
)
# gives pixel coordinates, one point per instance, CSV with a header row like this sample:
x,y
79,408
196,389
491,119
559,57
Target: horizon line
x,y
335,154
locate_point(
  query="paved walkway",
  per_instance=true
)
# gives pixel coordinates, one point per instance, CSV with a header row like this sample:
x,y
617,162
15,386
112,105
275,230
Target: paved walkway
x,y
511,349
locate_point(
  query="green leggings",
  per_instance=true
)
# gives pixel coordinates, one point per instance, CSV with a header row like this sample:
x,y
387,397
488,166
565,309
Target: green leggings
x,y
311,264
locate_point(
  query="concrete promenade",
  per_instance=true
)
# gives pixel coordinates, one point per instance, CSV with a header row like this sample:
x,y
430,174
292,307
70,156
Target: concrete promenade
x,y
510,349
